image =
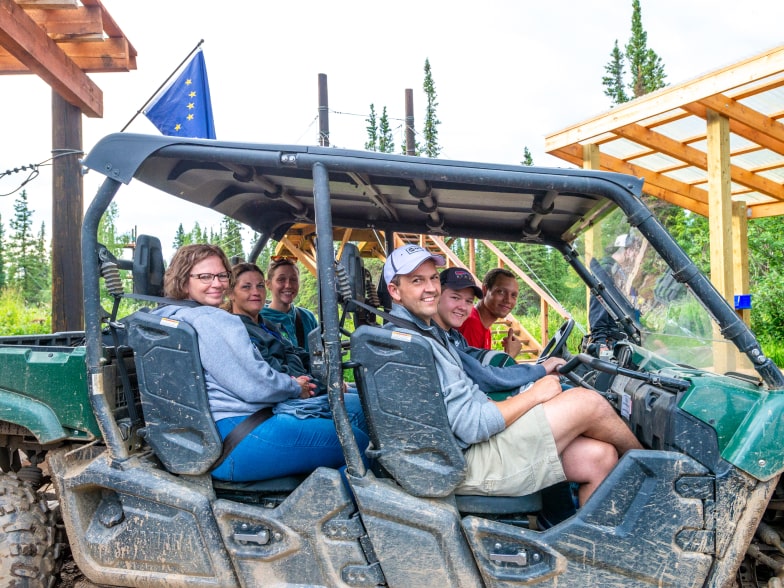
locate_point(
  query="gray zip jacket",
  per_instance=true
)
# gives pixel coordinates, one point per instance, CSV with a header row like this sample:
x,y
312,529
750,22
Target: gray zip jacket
x,y
239,382
472,417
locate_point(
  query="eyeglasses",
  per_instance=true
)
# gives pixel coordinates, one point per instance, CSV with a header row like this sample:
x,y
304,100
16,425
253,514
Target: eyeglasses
x,y
208,278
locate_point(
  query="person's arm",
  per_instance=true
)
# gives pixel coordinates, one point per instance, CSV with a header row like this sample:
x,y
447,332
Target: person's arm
x,y
235,364
499,379
472,417
516,406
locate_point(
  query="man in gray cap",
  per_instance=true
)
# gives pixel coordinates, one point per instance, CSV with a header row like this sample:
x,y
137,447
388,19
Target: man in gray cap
x,y
545,437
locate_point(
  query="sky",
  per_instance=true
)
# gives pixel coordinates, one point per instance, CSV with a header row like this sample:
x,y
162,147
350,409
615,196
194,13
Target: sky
x,y
507,73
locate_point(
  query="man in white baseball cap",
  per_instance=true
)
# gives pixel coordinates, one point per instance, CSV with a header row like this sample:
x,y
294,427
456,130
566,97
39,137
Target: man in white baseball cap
x,y
545,437
406,259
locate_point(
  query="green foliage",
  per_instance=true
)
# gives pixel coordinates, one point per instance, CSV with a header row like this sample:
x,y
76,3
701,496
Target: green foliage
x,y
17,317
613,81
431,149
372,130
230,238
379,132
527,157
645,66
28,270
386,143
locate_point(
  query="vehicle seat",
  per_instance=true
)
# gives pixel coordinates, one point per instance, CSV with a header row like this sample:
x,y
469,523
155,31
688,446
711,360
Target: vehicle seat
x,y
407,421
178,424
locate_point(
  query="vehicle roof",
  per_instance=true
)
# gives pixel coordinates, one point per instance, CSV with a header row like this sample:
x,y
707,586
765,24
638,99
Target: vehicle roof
x,y
270,187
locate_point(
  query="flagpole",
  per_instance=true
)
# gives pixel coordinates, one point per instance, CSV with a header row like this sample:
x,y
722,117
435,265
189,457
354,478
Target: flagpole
x,y
166,81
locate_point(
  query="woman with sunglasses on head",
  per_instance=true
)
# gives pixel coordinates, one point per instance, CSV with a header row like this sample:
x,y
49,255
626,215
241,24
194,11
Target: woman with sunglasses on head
x,y
240,382
283,285
246,295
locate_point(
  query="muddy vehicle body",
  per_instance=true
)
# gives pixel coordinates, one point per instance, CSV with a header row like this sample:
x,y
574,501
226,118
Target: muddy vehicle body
x,y
111,428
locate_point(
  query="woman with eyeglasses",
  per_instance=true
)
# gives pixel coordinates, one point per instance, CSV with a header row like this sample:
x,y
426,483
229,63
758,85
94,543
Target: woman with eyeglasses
x,y
240,382
283,285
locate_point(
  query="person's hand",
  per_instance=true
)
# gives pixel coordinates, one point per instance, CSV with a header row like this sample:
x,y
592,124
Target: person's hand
x,y
512,345
551,364
307,388
546,388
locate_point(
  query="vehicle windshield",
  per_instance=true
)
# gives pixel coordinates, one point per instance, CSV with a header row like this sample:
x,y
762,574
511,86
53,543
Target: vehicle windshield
x,y
673,323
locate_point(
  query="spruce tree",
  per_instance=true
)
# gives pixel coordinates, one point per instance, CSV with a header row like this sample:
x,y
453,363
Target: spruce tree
x,y
613,81
22,248
230,238
646,69
431,149
527,157
372,129
180,238
386,143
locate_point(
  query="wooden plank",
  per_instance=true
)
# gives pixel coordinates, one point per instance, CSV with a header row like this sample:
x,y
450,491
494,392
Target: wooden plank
x,y
697,158
671,98
110,27
85,21
659,185
25,40
48,4
109,55
765,210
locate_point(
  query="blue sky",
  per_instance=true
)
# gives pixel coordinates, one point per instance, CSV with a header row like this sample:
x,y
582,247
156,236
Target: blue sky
x,y
507,73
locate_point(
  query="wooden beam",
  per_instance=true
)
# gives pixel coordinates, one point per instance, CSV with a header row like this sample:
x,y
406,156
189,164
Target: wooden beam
x,y
29,44
769,209
48,4
109,55
745,122
671,98
659,185
82,22
697,158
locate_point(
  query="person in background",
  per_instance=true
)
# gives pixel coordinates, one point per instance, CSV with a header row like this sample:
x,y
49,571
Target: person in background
x,y
526,442
499,297
240,382
283,285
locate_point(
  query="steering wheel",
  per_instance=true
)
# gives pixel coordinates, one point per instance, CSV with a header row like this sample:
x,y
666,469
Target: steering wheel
x,y
557,342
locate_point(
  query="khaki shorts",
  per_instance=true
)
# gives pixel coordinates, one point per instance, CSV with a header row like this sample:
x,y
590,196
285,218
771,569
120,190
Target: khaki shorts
x,y
519,460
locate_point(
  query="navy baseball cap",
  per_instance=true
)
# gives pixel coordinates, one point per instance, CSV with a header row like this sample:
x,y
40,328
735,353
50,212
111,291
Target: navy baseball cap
x,y
457,278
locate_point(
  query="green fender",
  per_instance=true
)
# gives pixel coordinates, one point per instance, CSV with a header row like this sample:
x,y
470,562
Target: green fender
x,y
35,416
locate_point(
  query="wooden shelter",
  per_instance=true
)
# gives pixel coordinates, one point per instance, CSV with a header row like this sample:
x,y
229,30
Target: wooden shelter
x,y
61,41
713,145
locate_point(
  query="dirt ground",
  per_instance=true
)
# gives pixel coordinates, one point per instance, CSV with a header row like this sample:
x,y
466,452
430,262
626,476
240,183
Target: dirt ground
x,y
71,577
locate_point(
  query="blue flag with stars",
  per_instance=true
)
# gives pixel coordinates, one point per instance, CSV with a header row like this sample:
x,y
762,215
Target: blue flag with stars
x,y
183,109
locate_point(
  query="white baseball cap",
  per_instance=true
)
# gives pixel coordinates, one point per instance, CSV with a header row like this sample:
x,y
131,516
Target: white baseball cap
x,y
406,259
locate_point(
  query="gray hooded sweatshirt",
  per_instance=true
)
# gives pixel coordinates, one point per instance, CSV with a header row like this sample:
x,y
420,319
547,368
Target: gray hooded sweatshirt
x,y
239,382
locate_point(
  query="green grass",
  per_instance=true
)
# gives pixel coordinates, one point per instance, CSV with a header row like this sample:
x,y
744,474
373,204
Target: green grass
x,y
19,318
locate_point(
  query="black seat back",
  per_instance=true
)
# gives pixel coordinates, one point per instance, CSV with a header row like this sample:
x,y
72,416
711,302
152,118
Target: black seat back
x,y
405,411
178,422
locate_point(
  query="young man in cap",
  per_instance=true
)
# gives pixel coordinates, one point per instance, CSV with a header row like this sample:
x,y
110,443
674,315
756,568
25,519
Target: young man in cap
x,y
497,299
458,291
545,437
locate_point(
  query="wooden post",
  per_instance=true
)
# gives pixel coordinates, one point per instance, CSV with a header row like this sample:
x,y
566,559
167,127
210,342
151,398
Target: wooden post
x,y
592,239
410,139
67,212
720,218
740,254
472,255
323,110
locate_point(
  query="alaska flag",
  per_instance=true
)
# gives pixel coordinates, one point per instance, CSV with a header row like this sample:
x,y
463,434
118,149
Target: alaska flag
x,y
184,109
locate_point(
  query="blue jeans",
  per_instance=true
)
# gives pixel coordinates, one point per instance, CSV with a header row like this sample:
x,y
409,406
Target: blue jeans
x,y
285,445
